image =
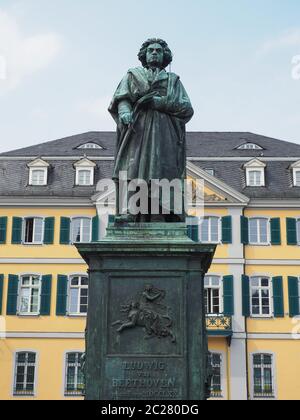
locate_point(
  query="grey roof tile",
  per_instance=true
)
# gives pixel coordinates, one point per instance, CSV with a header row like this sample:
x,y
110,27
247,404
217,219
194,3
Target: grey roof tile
x,y
14,173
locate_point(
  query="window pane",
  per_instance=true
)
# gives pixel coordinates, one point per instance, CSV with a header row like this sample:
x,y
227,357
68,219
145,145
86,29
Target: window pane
x,y
214,229
84,281
204,230
25,300
76,224
38,230
215,281
263,228
75,281
253,231
86,230
25,281
38,177
29,230
84,177
74,293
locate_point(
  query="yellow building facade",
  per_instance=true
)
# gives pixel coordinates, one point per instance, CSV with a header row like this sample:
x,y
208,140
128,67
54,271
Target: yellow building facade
x,y
252,288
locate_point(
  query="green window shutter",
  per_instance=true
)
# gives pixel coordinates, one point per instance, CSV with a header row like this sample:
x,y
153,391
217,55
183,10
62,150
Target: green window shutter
x,y
246,295
12,294
193,228
1,291
65,225
291,231
294,296
278,297
49,231
228,289
61,299
17,230
46,295
3,228
244,230
95,229
227,230
275,231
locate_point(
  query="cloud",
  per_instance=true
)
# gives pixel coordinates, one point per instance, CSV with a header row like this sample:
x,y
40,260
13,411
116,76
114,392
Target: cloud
x,y
22,56
288,39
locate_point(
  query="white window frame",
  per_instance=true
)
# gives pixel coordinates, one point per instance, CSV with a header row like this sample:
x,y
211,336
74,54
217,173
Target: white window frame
x,y
210,171
72,276
271,297
85,169
265,353
24,230
65,381
296,171
262,177
81,228
210,231
250,146
220,288
260,243
41,169
14,381
90,146
31,275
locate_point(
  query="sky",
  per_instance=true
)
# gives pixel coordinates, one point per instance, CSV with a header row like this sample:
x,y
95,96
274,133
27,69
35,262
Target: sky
x,y
61,61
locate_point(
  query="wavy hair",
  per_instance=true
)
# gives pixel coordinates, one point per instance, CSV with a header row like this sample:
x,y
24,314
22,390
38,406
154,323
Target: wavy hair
x,y
168,56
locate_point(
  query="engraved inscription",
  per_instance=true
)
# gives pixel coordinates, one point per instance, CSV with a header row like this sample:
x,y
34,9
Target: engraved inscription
x,y
146,379
147,310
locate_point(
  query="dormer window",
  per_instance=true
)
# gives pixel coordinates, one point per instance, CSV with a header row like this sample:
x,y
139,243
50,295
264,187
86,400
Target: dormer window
x,y
90,146
249,146
296,174
85,176
255,173
85,170
38,172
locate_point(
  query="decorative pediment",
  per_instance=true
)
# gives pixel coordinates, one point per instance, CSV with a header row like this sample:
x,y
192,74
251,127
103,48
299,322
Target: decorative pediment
x,y
38,163
296,165
255,163
215,190
85,163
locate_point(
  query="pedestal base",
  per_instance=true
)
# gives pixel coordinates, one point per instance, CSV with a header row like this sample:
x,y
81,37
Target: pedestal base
x,y
146,335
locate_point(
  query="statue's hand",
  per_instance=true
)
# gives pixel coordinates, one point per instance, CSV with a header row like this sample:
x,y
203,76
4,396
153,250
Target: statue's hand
x,y
126,118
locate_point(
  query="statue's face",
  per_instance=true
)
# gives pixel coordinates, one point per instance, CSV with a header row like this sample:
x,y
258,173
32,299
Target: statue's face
x,y
155,55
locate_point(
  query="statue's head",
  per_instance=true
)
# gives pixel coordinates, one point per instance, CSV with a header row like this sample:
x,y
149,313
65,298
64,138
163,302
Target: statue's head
x,y
155,53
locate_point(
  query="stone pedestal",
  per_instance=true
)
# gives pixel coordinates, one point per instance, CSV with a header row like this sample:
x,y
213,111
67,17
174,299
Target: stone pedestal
x,y
146,336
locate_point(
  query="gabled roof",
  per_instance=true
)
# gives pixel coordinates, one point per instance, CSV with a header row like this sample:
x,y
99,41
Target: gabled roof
x,y
199,144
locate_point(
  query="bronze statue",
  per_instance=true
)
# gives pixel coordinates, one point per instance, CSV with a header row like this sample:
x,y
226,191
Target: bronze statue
x,y
151,109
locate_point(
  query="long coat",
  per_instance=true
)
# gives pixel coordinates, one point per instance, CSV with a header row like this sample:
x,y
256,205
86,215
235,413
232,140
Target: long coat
x,y
154,147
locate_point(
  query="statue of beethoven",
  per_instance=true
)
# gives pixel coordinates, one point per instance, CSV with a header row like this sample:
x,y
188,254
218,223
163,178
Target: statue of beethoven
x,y
151,109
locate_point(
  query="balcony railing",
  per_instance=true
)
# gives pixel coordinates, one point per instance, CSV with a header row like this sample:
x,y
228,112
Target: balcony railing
x,y
220,324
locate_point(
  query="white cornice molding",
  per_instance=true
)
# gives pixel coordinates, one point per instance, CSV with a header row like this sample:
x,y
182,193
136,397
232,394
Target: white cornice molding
x,y
15,201
190,159
275,204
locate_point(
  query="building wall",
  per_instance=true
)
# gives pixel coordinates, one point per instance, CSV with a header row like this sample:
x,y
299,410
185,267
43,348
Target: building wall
x,y
273,335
